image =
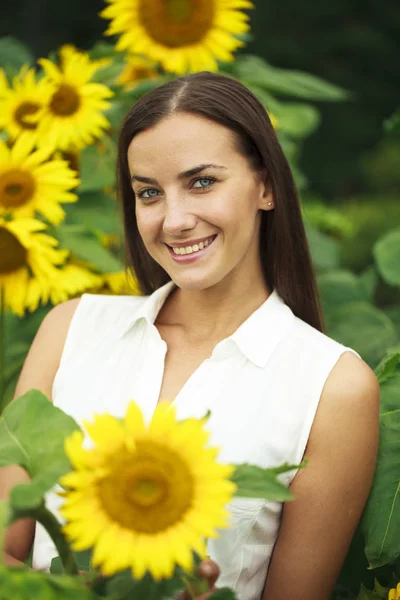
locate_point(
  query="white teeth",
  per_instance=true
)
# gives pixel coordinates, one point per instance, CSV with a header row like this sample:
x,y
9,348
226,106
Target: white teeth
x,y
191,249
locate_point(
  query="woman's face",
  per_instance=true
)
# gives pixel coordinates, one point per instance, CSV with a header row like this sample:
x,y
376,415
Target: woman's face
x,y
200,223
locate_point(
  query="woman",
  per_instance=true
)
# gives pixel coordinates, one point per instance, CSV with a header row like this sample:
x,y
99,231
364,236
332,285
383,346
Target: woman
x,y
231,323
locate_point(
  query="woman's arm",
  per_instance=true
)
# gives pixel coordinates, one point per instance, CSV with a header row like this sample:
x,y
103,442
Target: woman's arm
x,y
38,372
317,527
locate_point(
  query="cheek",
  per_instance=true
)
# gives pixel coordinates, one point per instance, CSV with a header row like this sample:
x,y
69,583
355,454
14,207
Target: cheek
x,y
146,222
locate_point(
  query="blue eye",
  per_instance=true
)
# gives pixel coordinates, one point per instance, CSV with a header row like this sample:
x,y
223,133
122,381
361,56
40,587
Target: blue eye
x,y
141,193
152,192
201,179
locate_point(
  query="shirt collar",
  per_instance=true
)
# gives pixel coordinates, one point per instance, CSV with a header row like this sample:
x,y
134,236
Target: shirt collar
x,y
256,338
259,335
150,307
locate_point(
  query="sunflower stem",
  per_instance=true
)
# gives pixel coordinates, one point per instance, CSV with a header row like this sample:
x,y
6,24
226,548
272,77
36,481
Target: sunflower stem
x,y
2,349
46,518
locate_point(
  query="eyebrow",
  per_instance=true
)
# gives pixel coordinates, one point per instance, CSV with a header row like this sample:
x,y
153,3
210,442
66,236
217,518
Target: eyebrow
x,y
183,175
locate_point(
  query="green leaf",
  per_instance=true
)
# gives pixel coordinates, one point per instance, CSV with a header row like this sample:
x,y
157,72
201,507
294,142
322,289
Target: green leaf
x,y
256,71
96,211
381,520
325,251
297,120
255,482
369,281
223,594
13,55
364,328
85,246
338,288
4,519
32,433
378,593
388,367
387,256
392,125
97,165
25,584
122,586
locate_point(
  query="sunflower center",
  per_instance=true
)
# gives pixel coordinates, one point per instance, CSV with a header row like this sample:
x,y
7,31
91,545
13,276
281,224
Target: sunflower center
x,y
16,188
176,23
24,110
65,101
148,491
12,253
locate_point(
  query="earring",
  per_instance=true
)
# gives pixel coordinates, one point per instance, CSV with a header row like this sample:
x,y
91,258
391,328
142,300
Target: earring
x,y
269,203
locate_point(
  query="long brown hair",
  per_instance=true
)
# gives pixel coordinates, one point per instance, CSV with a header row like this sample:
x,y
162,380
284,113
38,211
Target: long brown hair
x,y
284,251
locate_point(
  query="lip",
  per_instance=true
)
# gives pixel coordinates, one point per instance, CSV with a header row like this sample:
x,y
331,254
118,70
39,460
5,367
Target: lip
x,y
187,258
191,242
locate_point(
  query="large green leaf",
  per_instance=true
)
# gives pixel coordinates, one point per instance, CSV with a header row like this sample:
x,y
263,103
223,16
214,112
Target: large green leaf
x,y
297,120
392,125
32,433
387,256
369,281
255,482
95,210
122,586
256,71
339,287
4,518
325,251
223,594
13,55
388,367
378,593
84,244
364,328
97,165
24,584
381,521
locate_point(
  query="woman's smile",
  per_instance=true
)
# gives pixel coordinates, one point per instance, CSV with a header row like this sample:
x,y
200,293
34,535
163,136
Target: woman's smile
x,y
184,252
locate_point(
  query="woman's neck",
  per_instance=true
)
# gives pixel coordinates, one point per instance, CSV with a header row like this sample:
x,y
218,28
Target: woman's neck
x,y
213,313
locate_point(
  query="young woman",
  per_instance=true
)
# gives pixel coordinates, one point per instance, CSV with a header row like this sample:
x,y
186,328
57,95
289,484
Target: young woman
x,y
230,322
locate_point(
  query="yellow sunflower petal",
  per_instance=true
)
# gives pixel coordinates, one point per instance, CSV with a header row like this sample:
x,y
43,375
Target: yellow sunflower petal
x,y
168,35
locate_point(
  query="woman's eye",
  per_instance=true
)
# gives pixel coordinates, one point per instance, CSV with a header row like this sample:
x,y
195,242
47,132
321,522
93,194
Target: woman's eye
x,y
149,191
201,180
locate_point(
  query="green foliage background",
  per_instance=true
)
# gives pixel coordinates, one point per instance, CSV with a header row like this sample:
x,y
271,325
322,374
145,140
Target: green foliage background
x,y
346,163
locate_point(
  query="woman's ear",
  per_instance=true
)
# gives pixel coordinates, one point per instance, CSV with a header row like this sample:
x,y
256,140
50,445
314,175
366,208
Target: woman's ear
x,y
266,201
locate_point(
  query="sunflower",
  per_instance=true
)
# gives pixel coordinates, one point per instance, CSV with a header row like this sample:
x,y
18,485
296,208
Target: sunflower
x,y
144,497
120,283
69,281
25,254
68,51
136,69
73,117
183,35
21,105
29,182
394,594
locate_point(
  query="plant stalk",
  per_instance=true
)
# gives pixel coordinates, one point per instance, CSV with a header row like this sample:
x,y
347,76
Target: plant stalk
x,y
46,518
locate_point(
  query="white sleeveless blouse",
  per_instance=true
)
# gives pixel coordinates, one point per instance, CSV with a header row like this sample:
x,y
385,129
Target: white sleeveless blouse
x,y
262,386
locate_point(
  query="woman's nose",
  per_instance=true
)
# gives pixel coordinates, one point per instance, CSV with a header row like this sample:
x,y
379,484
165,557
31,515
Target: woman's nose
x,y
177,219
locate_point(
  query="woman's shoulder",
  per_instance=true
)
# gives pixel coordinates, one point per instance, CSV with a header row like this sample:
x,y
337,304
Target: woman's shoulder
x,y
308,338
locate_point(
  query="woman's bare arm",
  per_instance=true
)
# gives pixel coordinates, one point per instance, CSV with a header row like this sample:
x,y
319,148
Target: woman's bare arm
x,y
38,372
317,527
